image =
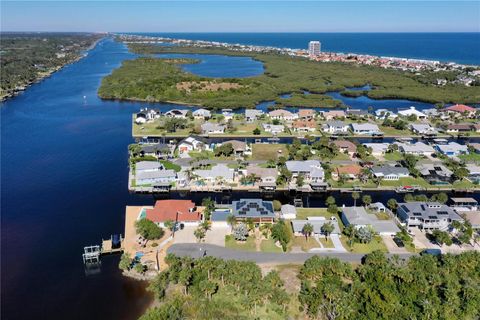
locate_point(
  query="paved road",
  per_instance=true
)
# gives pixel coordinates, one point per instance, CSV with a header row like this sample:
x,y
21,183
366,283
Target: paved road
x,y
197,250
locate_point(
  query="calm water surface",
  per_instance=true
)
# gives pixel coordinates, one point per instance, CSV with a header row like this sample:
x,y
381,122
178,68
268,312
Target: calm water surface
x,y
64,186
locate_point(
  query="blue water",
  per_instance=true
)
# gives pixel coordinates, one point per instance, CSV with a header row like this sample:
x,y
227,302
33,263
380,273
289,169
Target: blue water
x,y
219,66
448,47
64,171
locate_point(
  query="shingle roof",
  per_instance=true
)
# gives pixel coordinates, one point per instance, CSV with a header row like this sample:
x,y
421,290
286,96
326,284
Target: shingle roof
x,y
253,208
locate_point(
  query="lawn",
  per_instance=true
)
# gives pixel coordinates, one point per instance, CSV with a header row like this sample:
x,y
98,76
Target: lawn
x,y
263,151
390,131
393,156
305,245
326,243
375,244
351,184
408,181
269,246
303,213
341,156
169,165
248,245
471,157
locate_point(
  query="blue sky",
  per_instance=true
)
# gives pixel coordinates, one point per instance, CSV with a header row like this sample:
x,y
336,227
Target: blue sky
x,y
242,16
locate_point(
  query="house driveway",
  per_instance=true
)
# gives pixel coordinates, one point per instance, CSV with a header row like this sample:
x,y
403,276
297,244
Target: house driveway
x,y
392,246
420,240
217,235
186,235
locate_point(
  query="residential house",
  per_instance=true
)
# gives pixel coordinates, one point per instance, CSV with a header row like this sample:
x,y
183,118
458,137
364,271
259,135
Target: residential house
x,y
333,114
452,149
358,113
475,147
155,178
459,127
258,210
350,171
424,129
227,114
427,215
435,173
311,170
288,212
176,113
346,146
281,114
252,114
382,114
464,204
148,166
335,127
474,172
212,128
419,148
460,110
317,224
202,114
219,172
412,111
146,115
273,128
159,150
192,143
239,147
306,114
267,176
378,149
304,125
365,129
360,218
390,173
183,211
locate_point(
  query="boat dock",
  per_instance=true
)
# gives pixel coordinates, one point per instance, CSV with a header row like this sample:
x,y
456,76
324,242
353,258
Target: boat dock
x,y
92,254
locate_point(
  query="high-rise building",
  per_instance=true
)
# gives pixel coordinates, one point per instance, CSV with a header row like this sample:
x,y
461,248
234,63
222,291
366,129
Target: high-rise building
x,y
314,48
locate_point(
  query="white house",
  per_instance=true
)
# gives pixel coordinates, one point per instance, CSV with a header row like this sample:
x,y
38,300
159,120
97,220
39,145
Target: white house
x,y
365,128
176,113
412,111
202,114
421,128
452,149
418,148
273,128
281,114
212,128
252,114
192,143
378,149
335,127
382,114
311,170
219,172
389,172
288,212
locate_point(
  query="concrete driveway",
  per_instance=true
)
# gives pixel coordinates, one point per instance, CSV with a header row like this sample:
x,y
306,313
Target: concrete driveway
x,y
186,235
420,240
217,235
392,246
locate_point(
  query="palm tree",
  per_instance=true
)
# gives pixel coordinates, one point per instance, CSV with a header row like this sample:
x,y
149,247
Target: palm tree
x,y
307,230
327,229
355,196
231,221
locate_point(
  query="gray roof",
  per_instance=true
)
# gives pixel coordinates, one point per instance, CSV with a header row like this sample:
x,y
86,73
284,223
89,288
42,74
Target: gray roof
x,y
148,165
253,208
202,112
297,225
415,147
428,210
142,175
151,148
253,113
220,215
359,216
220,170
364,126
437,168
288,209
389,170
358,112
422,127
303,166
336,124
452,147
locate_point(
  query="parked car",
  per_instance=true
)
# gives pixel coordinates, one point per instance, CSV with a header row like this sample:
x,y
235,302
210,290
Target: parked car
x,y
398,242
433,252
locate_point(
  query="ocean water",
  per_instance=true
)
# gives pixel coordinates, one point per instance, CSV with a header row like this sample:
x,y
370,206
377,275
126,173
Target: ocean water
x,y
449,47
64,167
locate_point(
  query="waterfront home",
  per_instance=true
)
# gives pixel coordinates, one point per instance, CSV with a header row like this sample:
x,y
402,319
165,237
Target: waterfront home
x,y
311,170
459,127
474,172
266,175
333,114
476,127
356,113
350,171
258,210
212,128
335,127
421,128
158,150
239,147
434,113
474,218
148,166
452,149
378,149
202,114
273,128
155,178
146,115
412,111
365,129
427,215
288,212
176,113
346,146
464,204
460,110
304,125
360,218
382,114
140,117
418,148
390,173
183,211
218,173
475,147
227,114
306,114
192,143
317,224
281,114
252,114
435,173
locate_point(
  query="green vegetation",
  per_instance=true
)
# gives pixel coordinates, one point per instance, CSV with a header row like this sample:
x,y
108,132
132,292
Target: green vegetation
x,y
151,79
148,229
248,245
444,287
262,151
170,166
269,246
28,57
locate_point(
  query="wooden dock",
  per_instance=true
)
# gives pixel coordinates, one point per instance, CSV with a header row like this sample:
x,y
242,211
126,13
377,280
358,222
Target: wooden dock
x,y
107,247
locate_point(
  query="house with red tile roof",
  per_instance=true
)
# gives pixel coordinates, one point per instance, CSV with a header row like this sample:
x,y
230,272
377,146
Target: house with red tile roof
x,y
346,146
304,125
461,109
306,114
183,211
